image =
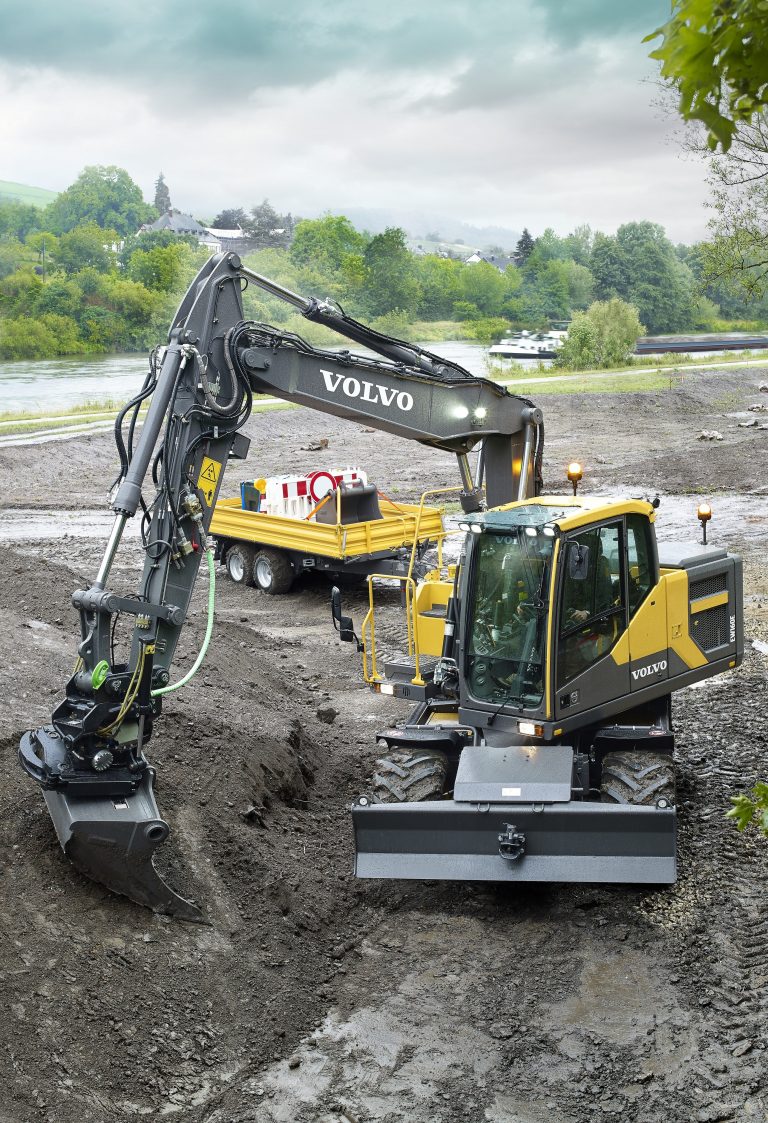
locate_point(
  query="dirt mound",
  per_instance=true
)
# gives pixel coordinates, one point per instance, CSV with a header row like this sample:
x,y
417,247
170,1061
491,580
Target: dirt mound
x,y
121,1009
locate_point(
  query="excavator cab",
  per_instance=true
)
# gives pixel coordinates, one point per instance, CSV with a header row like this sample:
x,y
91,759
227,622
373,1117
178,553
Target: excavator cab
x,y
572,615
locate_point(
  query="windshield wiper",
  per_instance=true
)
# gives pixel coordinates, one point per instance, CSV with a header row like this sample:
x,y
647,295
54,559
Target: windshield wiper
x,y
504,702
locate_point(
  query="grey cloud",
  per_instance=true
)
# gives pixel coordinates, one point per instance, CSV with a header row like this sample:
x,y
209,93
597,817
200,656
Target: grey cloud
x,y
573,21
246,43
211,51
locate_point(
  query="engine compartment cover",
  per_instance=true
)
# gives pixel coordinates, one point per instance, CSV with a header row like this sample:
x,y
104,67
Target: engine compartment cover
x,y
514,774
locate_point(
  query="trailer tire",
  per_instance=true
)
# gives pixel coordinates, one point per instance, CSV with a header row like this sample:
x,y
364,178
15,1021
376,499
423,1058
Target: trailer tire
x,y
272,572
643,779
409,777
239,561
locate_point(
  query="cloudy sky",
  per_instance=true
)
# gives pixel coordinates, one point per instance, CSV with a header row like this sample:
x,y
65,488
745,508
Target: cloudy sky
x,y
511,112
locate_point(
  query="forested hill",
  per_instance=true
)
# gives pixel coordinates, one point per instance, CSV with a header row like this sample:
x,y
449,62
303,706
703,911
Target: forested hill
x,y
75,275
23,193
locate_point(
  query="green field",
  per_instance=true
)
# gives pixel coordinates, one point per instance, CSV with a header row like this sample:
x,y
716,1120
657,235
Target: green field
x,y
22,193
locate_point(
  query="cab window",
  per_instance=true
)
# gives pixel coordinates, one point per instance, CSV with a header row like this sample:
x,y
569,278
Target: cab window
x,y
592,606
639,561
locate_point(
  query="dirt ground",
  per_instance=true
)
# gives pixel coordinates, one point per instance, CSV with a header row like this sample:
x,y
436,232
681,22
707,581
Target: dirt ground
x,y
314,998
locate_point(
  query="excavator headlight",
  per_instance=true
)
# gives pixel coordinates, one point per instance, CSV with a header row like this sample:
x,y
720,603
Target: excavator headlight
x,y
549,531
461,412
532,532
476,528
481,413
530,729
465,527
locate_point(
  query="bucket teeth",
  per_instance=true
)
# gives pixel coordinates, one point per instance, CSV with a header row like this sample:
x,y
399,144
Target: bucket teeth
x,y
112,840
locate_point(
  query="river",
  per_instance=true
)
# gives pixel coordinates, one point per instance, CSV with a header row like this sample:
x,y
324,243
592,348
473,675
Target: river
x,y
52,385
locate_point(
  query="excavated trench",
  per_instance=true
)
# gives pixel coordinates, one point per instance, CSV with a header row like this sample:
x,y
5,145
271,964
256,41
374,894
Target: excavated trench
x,y
313,998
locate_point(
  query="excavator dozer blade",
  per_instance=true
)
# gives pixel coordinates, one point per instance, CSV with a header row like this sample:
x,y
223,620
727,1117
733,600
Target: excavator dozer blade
x,y
577,841
112,840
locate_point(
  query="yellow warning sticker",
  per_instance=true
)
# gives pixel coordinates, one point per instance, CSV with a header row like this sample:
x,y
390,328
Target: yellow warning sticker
x,y
210,470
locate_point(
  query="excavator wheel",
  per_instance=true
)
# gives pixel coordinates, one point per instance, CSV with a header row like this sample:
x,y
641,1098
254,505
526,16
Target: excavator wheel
x,y
409,777
239,562
272,572
641,778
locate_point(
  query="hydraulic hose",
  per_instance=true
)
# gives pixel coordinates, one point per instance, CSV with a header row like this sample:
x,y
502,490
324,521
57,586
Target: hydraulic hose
x,y
208,632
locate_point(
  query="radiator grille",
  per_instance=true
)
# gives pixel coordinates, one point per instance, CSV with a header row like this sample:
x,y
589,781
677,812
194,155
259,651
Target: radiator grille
x,y
710,628
708,586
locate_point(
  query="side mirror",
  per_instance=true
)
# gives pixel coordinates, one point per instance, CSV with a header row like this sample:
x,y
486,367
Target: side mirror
x,y
578,561
343,624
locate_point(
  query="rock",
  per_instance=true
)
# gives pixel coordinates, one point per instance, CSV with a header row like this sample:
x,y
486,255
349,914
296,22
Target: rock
x,y
716,1112
327,714
759,407
742,1049
294,1062
749,424
763,387
316,446
710,435
253,815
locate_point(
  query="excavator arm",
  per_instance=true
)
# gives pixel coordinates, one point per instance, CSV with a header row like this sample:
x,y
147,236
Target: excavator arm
x,y
90,760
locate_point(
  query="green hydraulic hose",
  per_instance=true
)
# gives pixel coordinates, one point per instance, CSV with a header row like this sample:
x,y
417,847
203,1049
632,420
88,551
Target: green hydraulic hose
x,y
208,632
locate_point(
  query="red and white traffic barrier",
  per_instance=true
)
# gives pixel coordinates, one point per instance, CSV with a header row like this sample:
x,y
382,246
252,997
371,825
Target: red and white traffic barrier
x,y
294,496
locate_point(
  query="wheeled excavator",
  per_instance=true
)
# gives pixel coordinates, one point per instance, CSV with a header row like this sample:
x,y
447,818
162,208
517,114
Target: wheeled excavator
x,y
90,761
540,747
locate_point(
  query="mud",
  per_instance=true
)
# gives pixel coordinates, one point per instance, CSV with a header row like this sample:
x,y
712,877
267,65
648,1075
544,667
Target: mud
x,y
314,998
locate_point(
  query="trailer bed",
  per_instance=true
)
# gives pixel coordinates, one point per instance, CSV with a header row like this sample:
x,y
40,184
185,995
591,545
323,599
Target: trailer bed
x,y
397,528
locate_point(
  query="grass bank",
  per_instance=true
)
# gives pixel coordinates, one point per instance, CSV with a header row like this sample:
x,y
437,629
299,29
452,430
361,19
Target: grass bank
x,y
597,382
511,369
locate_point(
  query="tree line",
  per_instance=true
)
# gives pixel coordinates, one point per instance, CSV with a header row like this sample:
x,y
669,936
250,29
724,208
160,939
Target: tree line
x,y
76,276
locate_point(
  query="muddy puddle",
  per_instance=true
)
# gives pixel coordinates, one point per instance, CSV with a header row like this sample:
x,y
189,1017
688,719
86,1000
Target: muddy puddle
x,y
35,526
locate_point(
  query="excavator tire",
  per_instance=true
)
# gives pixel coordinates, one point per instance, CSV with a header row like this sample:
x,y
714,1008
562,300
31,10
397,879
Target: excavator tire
x,y
239,562
409,777
639,778
272,572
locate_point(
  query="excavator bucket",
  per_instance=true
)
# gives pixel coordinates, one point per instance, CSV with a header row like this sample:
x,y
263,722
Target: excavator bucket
x,y
112,840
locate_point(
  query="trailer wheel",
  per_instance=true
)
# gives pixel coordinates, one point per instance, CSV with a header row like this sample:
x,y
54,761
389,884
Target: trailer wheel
x,y
640,778
239,562
272,572
409,777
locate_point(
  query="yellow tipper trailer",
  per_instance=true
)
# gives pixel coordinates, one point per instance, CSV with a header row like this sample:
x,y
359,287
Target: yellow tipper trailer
x,y
270,551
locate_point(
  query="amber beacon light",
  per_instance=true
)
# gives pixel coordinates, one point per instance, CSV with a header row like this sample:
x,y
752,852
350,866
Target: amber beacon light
x,y
704,514
575,472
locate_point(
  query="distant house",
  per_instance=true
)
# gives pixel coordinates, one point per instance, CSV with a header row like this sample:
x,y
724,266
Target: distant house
x,y
498,260
214,240
224,239
175,221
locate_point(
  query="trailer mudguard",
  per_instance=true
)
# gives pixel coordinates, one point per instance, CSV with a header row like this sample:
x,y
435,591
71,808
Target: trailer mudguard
x,y
449,841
